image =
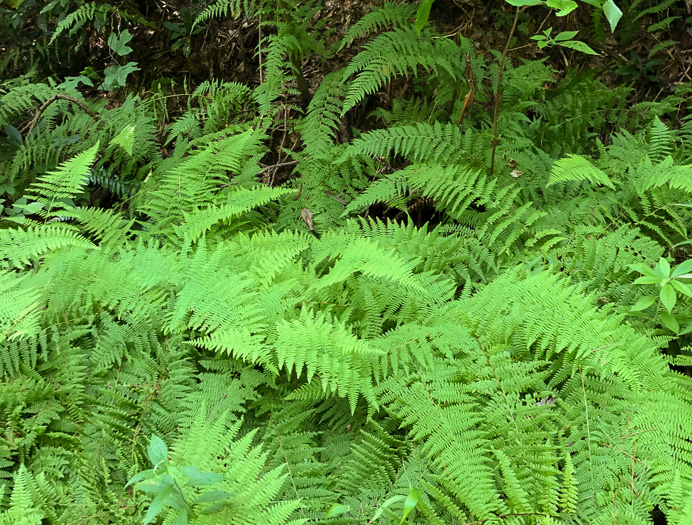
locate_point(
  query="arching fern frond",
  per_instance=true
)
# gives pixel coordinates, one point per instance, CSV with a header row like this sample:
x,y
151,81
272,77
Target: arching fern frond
x,y
387,15
398,52
65,182
434,143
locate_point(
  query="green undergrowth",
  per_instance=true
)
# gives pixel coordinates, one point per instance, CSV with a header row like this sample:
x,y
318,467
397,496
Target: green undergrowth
x,y
390,334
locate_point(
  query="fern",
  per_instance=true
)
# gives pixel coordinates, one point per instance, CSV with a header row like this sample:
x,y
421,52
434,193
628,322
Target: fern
x,y
401,52
77,18
389,14
221,8
576,168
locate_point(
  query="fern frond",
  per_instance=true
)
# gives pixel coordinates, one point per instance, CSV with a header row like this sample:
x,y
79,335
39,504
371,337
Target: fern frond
x,y
387,15
65,182
398,52
575,168
434,143
22,247
78,17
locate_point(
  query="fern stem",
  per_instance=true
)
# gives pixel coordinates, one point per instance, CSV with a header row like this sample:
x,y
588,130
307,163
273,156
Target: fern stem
x,y
497,88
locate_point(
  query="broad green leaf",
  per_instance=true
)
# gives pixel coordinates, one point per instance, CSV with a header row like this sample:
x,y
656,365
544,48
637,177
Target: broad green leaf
x,y
116,76
670,322
14,135
682,268
564,7
682,288
642,268
579,46
157,484
523,3
198,478
662,269
668,296
175,500
156,505
612,13
337,509
214,495
565,35
145,474
118,43
157,450
648,280
411,501
423,14
643,303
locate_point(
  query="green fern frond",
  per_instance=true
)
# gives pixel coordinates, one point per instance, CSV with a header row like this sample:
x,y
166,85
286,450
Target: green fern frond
x,y
398,52
387,15
22,509
78,17
22,247
221,8
575,168
66,182
433,143
341,361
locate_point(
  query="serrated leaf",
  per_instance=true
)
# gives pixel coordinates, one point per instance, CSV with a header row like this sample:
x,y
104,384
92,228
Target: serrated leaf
x,y
116,76
667,296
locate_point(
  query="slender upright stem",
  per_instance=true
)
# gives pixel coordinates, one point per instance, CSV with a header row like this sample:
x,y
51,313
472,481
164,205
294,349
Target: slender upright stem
x,y
497,88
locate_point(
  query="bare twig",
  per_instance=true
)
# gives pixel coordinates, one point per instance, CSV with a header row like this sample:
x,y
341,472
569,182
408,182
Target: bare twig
x,y
52,99
279,165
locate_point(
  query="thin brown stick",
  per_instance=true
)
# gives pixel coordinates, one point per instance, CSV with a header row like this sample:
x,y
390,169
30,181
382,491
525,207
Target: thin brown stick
x,y
497,88
279,165
52,99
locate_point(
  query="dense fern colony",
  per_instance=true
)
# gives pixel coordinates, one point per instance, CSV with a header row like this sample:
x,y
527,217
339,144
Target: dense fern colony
x,y
492,348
